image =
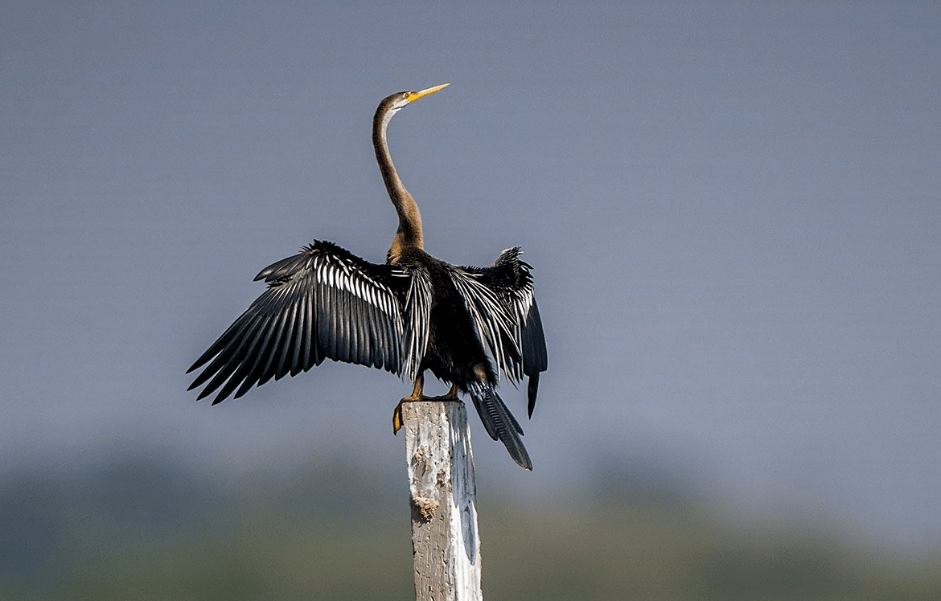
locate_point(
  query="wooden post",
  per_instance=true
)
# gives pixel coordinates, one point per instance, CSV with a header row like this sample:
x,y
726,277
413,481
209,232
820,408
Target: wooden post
x,y
443,501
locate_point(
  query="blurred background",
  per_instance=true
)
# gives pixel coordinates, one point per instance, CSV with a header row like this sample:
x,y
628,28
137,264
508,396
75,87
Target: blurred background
x,y
733,213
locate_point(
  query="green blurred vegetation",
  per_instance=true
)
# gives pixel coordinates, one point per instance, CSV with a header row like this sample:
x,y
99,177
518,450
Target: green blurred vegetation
x,y
144,530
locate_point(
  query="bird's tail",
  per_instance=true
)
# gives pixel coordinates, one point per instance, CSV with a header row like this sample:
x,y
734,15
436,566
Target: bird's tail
x,y
499,422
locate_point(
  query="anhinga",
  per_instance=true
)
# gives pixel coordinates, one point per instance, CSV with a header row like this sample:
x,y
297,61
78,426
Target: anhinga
x,y
411,314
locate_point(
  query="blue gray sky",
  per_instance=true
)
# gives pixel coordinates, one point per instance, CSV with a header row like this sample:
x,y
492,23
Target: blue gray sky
x,y
733,209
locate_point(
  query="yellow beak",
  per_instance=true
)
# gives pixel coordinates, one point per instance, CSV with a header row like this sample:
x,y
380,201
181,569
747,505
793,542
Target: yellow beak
x,y
413,96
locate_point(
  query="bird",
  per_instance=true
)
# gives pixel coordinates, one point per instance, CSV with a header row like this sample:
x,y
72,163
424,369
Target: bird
x,y
468,326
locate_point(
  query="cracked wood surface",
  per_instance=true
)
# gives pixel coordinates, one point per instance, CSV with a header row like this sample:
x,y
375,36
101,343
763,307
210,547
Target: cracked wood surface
x,y
445,543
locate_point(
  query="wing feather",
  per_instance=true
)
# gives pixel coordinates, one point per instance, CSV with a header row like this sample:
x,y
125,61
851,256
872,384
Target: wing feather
x,y
323,303
417,316
493,323
510,279
289,347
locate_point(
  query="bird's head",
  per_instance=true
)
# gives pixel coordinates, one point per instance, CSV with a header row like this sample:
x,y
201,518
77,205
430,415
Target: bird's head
x,y
399,100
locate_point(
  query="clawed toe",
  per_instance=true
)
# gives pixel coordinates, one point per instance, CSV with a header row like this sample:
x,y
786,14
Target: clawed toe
x,y
398,421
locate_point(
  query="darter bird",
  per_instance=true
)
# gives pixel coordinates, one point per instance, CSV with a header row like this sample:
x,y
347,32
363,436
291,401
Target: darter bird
x,y
467,325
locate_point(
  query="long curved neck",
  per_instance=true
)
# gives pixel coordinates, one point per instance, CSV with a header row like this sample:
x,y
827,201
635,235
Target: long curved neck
x,y
409,234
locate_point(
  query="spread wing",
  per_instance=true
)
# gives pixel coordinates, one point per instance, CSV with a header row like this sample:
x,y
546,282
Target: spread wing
x,y
493,322
323,303
510,280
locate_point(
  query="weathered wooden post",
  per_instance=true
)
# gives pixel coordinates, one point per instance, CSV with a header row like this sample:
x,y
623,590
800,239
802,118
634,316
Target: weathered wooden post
x,y
443,501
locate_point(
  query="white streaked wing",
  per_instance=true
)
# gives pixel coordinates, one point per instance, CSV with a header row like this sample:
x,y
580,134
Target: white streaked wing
x,y
417,317
323,303
495,327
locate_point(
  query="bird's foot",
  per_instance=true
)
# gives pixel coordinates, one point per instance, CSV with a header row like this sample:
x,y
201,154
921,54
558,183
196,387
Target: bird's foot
x,y
398,421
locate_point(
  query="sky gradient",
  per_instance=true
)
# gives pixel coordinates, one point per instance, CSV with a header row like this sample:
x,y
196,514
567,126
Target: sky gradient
x,y
733,211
